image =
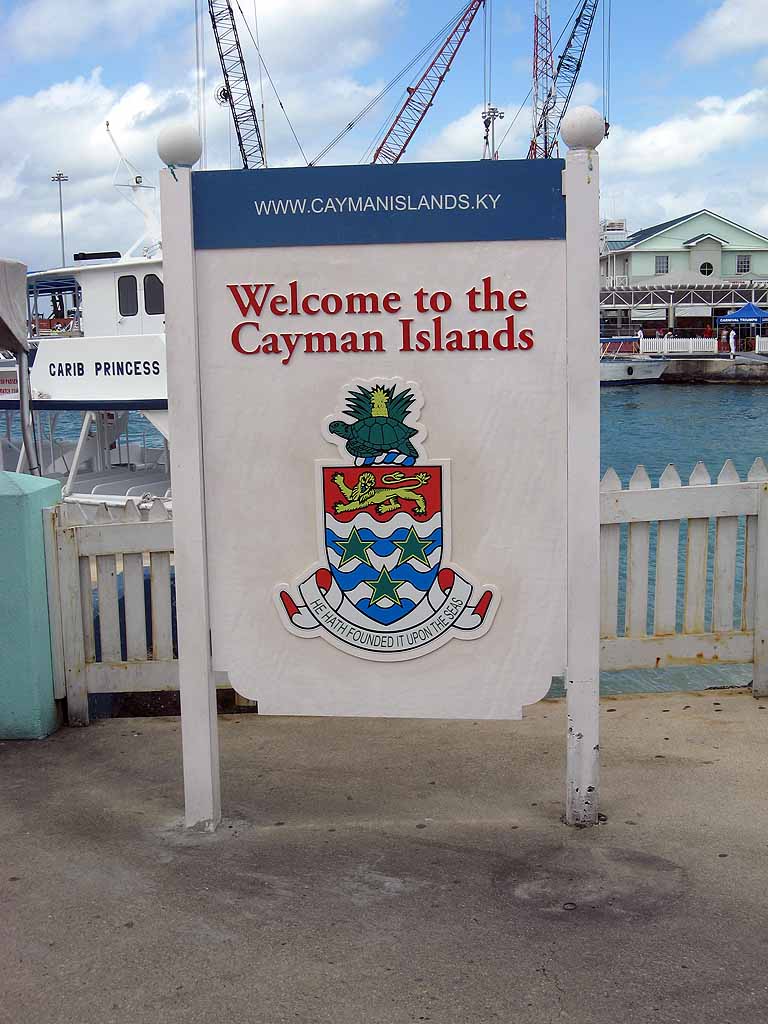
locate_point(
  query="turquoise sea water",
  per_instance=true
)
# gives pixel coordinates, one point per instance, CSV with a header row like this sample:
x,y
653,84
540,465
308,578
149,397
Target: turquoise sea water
x,y
652,424
655,424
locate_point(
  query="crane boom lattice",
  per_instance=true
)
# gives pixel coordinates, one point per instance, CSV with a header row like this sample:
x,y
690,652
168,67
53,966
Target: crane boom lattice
x,y
237,89
422,95
553,94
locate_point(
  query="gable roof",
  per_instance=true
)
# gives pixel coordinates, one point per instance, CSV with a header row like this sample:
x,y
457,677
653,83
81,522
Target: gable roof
x,y
657,229
706,234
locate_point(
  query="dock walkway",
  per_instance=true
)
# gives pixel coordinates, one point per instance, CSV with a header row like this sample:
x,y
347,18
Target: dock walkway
x,y
392,871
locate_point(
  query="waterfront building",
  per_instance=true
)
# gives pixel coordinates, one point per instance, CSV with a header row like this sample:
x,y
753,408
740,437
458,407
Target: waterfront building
x,y
679,274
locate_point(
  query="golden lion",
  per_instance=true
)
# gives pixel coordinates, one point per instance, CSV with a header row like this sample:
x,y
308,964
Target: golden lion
x,y
366,492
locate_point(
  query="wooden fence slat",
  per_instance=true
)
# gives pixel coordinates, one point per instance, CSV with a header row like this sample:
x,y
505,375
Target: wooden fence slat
x,y
109,617
50,521
637,564
724,582
696,561
640,652
760,649
610,539
162,640
107,539
72,626
86,604
698,502
667,550
757,473
135,612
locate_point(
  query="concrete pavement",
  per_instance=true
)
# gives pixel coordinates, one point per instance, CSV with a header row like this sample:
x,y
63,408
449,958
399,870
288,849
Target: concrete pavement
x,y
383,872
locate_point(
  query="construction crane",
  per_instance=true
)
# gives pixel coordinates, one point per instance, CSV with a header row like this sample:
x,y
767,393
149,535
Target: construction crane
x,y
236,90
553,85
422,94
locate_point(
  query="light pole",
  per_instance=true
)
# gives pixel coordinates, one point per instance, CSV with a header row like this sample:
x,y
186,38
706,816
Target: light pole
x,y
489,122
59,177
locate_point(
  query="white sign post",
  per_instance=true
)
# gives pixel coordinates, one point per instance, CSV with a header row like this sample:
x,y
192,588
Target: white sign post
x,y
383,397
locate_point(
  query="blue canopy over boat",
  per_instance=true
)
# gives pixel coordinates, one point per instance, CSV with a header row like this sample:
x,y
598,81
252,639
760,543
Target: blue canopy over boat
x,y
749,314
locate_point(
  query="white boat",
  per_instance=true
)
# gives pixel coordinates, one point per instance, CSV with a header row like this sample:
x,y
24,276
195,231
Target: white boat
x,y
629,368
97,331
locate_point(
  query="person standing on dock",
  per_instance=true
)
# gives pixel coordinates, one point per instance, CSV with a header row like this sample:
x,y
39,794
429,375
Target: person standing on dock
x,y
640,337
732,343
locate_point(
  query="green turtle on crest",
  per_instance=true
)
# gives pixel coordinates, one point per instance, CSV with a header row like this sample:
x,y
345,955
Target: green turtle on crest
x,y
379,425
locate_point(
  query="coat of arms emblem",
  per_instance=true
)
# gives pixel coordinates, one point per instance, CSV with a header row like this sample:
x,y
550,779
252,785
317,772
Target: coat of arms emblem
x,y
384,588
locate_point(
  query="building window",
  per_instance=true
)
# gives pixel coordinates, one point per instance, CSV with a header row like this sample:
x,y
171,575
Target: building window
x,y
743,264
127,295
154,301
706,269
662,265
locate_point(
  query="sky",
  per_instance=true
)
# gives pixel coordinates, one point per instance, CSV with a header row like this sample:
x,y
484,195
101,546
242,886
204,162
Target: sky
x,y
688,100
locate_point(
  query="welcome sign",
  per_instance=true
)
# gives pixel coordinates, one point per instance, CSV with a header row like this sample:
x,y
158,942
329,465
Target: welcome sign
x,y
383,413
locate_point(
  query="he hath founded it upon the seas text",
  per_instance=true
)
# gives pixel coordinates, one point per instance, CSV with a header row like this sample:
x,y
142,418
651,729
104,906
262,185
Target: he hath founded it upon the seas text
x,y
257,301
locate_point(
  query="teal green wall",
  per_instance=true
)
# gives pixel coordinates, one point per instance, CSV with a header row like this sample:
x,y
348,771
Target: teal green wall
x,y
27,706
759,266
643,264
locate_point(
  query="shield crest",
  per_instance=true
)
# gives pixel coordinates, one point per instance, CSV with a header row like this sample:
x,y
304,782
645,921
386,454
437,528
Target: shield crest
x,y
384,587
383,529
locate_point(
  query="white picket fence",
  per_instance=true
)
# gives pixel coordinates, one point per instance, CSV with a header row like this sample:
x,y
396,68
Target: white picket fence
x,y
703,596
684,581
99,558
678,346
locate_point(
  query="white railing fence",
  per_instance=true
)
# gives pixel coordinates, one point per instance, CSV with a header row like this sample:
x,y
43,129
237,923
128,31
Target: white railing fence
x,y
684,581
111,600
678,346
684,570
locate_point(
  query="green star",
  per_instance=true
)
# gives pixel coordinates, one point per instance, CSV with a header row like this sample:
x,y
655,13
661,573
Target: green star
x,y
385,586
354,547
412,547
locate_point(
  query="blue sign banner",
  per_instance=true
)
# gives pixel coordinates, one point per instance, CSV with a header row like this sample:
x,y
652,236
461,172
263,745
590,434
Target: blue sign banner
x,y
480,201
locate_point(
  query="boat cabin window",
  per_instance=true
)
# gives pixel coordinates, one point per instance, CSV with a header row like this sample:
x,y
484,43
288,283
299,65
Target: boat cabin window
x,y
154,301
127,295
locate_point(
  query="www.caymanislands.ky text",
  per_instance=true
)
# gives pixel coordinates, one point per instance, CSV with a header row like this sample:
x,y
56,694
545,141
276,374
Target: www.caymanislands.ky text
x,y
256,301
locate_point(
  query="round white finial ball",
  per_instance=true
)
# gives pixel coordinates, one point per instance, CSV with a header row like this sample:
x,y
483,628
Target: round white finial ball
x,y
179,145
583,128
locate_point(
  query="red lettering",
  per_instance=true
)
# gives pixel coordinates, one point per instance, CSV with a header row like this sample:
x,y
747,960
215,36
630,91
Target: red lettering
x,y
515,297
237,344
252,301
331,303
526,339
421,300
391,302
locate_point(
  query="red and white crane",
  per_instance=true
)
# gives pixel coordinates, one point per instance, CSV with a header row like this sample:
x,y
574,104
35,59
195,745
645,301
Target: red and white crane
x,y
421,95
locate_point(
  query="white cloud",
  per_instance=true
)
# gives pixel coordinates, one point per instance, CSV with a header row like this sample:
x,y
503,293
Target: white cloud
x,y
714,125
586,94
462,138
705,157
734,26
62,126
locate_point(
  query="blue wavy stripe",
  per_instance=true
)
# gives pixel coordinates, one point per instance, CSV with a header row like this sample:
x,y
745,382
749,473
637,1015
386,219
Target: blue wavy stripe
x,y
383,546
366,574
385,615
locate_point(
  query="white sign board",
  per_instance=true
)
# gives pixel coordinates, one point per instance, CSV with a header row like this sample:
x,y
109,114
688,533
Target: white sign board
x,y
372,375
127,369
385,435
